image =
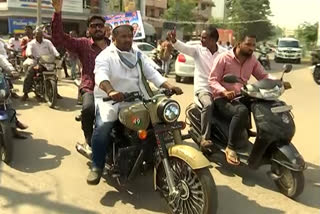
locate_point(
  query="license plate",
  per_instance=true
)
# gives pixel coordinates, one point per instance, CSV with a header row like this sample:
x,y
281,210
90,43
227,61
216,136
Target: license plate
x,y
280,109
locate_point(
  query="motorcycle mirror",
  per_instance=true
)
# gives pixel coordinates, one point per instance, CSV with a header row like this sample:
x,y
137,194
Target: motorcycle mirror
x,y
287,68
230,78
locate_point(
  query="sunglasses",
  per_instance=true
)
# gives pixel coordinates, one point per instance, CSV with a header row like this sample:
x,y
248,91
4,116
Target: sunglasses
x,y
99,25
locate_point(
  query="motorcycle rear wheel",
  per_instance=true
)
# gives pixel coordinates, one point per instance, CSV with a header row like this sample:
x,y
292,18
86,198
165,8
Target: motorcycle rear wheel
x,y
290,183
6,143
50,92
198,193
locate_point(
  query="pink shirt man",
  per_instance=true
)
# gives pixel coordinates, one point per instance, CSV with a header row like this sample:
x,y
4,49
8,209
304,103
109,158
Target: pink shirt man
x,y
227,63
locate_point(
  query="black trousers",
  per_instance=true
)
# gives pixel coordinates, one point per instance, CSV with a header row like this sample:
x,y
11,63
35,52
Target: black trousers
x,y
237,114
27,84
87,115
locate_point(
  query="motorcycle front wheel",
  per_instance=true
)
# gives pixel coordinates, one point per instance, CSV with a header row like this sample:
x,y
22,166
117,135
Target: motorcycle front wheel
x,y
50,92
198,194
290,183
6,143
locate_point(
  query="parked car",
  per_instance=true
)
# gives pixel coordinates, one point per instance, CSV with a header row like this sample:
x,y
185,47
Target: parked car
x,y
184,66
145,48
288,49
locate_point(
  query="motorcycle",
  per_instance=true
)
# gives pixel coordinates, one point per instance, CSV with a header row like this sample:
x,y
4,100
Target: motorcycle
x,y
148,135
264,60
44,83
275,130
16,59
7,115
316,73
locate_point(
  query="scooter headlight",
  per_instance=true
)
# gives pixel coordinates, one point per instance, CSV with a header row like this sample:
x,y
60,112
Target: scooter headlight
x,y
169,111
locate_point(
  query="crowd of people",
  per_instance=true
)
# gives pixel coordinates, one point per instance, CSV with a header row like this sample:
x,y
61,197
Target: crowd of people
x,y
111,65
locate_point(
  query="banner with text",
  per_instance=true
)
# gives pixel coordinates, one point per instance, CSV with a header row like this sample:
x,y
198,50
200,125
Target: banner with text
x,y
75,6
132,18
16,25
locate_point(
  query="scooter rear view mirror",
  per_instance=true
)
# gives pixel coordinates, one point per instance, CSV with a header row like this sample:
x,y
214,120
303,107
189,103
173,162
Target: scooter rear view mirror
x,y
287,68
230,78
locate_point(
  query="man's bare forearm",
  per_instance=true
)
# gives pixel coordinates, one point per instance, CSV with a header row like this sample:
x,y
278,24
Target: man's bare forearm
x,y
106,86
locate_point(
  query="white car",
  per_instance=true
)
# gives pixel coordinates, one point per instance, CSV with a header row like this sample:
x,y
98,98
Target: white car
x,y
184,66
145,48
288,49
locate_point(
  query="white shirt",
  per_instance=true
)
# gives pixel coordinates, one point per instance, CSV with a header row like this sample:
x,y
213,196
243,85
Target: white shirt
x,y
203,60
37,49
108,66
15,44
3,50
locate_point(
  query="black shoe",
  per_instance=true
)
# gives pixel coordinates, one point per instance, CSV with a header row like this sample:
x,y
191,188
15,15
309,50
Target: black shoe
x,y
18,135
94,176
59,96
14,95
24,97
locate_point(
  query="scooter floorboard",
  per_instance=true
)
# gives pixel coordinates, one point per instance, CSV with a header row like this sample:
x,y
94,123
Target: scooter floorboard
x,y
243,153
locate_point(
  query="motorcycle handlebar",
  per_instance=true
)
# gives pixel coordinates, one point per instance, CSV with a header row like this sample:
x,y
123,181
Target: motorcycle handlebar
x,y
132,96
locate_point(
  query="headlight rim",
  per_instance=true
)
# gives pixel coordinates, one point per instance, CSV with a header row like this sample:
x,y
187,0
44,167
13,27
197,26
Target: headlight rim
x,y
162,107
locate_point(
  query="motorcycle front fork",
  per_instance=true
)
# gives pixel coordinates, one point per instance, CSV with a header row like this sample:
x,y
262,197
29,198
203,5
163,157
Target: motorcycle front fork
x,y
173,191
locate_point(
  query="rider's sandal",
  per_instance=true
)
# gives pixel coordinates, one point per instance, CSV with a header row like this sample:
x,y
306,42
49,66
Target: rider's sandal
x,y
232,157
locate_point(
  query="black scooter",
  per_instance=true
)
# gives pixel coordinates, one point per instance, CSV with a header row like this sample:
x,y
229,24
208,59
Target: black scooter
x,y
275,130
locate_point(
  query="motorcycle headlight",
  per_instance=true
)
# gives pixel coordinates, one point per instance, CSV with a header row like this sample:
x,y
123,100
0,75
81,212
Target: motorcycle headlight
x,y
169,111
49,67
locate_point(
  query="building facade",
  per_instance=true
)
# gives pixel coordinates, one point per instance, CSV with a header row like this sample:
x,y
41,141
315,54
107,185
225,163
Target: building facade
x,y
15,14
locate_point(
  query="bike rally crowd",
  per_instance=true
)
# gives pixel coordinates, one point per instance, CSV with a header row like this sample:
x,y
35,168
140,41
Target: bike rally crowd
x,y
114,87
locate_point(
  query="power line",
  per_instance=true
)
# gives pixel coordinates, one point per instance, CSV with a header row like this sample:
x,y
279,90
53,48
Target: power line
x,y
199,23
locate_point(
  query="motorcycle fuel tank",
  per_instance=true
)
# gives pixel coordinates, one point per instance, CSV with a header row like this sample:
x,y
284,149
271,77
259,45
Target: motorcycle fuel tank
x,y
135,117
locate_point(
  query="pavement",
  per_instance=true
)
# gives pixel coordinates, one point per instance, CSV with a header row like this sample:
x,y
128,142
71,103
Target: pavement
x,y
48,176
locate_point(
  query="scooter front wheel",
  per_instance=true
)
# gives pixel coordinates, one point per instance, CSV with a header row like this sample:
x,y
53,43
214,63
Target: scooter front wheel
x,y
290,183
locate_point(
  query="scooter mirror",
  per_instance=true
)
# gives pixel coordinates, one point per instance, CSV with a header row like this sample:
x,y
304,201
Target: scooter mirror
x,y
287,68
230,78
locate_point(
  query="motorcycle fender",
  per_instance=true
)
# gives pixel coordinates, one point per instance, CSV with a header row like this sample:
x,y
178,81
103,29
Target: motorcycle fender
x,y
194,158
289,157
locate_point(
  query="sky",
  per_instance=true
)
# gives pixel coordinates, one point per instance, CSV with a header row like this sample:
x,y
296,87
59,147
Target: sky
x,y
291,13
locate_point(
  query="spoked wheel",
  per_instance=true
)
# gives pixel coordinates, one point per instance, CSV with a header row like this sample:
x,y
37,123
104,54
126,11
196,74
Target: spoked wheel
x,y
197,189
316,75
6,143
290,183
50,92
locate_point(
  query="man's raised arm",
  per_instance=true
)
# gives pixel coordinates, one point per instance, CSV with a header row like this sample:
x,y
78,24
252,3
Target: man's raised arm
x,y
60,38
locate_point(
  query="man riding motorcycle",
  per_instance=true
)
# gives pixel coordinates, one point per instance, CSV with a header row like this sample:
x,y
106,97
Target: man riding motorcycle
x,y
243,64
116,65
9,69
204,56
36,48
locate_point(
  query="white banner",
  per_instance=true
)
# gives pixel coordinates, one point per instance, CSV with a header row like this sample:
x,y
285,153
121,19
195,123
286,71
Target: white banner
x,y
75,6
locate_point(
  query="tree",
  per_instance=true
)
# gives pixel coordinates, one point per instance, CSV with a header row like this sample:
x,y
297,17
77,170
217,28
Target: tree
x,y
307,33
180,10
254,11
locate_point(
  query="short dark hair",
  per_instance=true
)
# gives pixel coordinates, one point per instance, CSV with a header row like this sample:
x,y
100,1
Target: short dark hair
x,y
212,32
95,17
28,26
115,31
244,36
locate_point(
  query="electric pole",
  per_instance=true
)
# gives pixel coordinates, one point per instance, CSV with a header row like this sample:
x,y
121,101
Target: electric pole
x,y
39,21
